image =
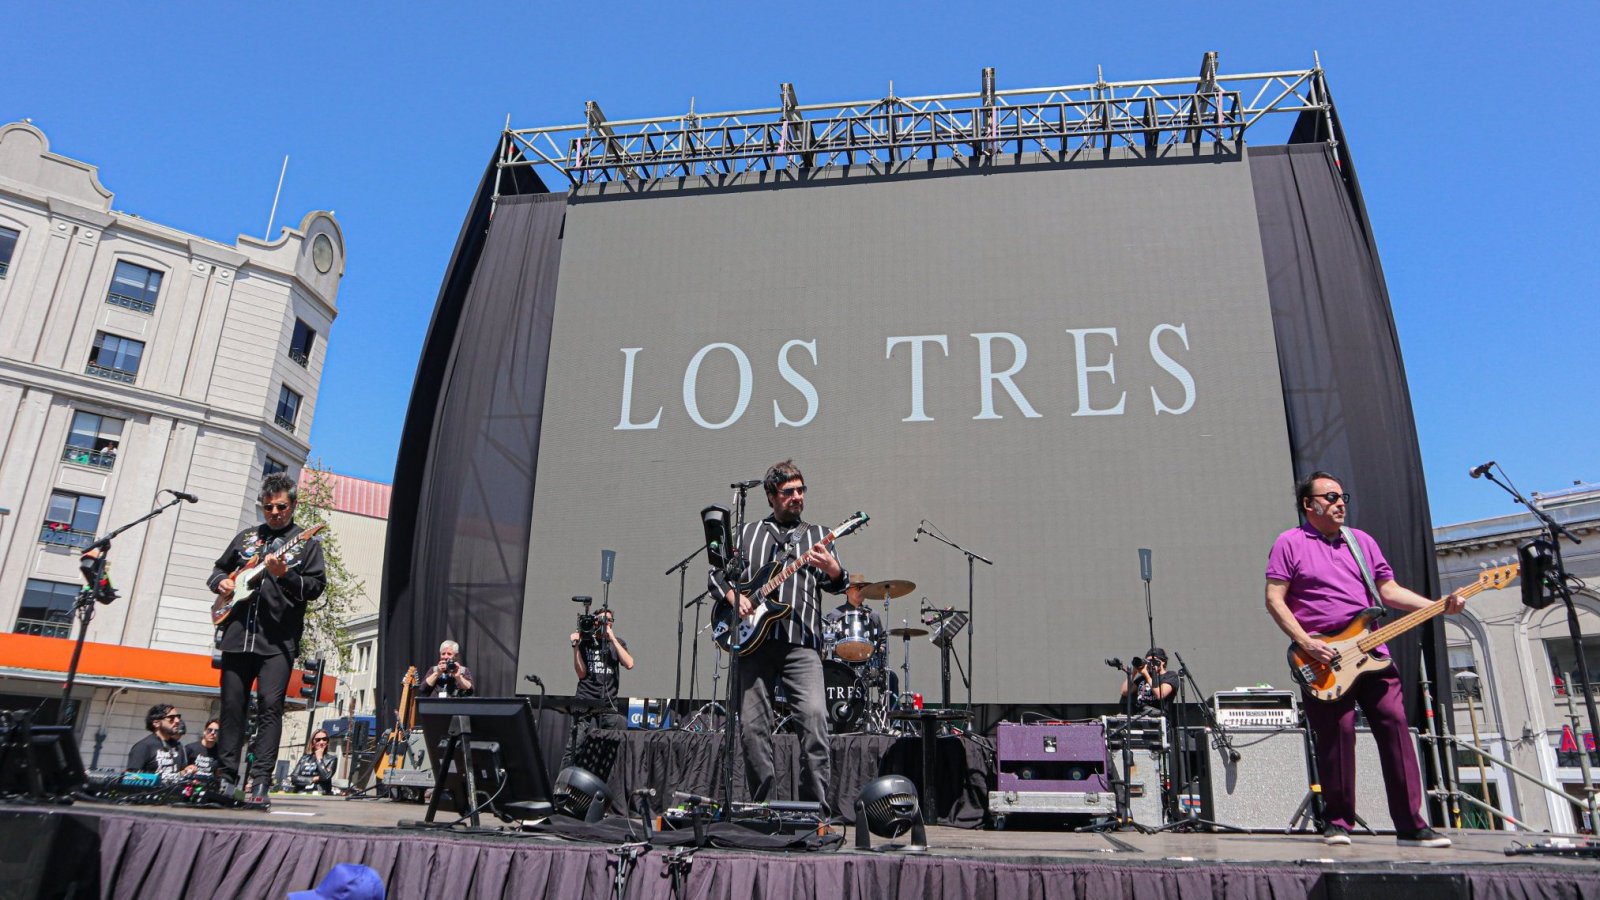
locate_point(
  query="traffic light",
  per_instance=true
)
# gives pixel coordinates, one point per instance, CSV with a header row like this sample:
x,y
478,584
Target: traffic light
x,y
311,679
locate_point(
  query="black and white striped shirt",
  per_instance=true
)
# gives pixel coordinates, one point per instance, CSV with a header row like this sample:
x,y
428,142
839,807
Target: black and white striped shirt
x,y
766,540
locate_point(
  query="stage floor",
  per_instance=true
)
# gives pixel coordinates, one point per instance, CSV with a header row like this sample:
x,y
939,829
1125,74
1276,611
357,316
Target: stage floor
x,y
1015,845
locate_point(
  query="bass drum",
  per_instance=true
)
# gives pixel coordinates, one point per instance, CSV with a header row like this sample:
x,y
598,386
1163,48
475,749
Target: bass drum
x,y
847,698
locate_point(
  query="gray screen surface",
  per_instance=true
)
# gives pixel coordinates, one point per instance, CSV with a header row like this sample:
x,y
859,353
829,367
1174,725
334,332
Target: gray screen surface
x,y
1055,367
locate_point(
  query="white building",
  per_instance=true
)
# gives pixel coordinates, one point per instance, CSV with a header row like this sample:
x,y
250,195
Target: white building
x,y
135,358
1522,657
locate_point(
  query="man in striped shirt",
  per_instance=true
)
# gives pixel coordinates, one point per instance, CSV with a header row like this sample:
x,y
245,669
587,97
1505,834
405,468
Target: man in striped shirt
x,y
793,648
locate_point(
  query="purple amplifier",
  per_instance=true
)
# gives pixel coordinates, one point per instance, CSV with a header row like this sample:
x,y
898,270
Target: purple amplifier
x,y
1056,757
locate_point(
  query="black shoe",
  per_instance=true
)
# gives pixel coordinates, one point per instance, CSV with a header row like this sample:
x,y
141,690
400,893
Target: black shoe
x,y
1423,837
1336,835
258,798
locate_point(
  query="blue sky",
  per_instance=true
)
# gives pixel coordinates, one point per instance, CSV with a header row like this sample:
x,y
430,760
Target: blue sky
x,y
1465,121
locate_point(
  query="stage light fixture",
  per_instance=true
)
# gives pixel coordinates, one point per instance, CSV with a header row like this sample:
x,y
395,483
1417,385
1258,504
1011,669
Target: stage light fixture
x,y
887,807
581,794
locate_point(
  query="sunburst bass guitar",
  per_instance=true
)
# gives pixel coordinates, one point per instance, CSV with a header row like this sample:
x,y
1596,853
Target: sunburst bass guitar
x,y
762,589
1353,647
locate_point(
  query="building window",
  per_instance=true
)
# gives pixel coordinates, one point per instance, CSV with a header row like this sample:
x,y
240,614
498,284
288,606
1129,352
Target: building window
x,y
72,519
1462,660
1563,664
300,345
115,358
94,440
288,408
272,467
8,246
134,287
47,608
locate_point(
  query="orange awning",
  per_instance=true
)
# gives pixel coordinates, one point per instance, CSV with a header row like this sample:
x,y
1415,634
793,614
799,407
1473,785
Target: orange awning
x,y
52,654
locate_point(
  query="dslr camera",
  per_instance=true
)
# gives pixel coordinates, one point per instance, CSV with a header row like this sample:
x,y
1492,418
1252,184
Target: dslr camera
x,y
590,625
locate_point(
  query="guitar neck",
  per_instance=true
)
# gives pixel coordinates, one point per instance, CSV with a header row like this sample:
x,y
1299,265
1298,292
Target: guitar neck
x,y
1411,620
793,567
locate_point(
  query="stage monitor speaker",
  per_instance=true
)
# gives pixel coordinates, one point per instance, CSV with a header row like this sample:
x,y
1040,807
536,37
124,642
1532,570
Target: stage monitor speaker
x,y
1372,801
48,855
1263,789
505,744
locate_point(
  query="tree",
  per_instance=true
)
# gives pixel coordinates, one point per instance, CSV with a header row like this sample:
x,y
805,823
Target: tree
x,y
325,634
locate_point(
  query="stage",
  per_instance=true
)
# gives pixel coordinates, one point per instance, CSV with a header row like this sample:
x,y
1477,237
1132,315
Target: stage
x,y
180,852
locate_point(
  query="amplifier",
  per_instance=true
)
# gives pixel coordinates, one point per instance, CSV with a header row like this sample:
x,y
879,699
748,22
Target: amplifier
x,y
1372,801
1263,789
1063,756
1148,732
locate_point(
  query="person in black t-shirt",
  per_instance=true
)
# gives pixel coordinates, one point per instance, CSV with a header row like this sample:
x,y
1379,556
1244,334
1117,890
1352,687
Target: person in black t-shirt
x,y
450,677
160,751
1153,686
202,754
596,659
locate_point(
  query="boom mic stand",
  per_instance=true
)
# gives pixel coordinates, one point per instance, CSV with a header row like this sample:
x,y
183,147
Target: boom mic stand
x,y
1122,819
1184,817
972,608
98,588
1556,582
682,568
733,571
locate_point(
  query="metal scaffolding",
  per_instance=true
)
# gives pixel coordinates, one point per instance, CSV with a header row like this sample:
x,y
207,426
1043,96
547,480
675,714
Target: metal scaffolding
x,y
1142,119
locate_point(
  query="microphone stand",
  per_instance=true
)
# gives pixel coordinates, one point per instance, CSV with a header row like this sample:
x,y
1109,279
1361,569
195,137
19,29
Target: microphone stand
x,y
1185,818
733,571
972,608
1122,817
93,563
1557,584
682,568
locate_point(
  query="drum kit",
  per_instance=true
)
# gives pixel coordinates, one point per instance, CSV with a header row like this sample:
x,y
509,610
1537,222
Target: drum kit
x,y
860,686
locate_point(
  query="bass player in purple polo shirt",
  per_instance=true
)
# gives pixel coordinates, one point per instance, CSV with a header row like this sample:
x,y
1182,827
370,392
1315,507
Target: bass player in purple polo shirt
x,y
1315,586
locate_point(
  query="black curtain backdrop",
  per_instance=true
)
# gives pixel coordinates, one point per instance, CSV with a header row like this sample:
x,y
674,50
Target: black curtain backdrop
x,y
1344,384
463,490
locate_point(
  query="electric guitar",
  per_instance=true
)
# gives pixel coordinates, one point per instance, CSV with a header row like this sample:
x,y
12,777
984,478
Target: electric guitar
x,y
762,589
1354,645
394,753
248,577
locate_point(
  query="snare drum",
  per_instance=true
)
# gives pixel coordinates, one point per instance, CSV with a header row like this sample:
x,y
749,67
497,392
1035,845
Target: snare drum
x,y
853,640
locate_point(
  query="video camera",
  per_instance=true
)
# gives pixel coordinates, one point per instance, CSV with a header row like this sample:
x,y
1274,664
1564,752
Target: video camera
x,y
591,625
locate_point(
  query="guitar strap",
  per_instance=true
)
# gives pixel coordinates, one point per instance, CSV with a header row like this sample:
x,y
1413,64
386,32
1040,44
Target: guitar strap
x,y
1366,572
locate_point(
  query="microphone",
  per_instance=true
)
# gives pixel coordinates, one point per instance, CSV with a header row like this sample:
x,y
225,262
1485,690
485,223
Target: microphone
x,y
643,792
190,498
745,485
693,799
1479,471
534,679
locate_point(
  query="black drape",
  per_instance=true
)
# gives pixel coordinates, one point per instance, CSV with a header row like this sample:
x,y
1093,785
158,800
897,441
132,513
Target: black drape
x,y
463,490
1344,384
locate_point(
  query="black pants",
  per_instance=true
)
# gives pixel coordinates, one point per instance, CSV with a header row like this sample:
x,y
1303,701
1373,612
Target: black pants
x,y
800,671
271,674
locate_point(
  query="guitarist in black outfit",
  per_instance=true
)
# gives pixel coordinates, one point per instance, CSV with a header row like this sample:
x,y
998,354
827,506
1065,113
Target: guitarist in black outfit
x,y
260,640
792,650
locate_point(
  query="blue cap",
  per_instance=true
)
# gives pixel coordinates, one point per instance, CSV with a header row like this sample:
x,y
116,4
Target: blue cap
x,y
346,881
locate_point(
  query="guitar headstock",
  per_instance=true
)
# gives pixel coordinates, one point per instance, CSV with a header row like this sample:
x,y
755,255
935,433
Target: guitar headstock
x,y
312,532
859,520
1497,577
411,677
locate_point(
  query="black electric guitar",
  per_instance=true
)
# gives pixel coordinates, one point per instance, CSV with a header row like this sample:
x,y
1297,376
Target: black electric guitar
x,y
762,589
1354,645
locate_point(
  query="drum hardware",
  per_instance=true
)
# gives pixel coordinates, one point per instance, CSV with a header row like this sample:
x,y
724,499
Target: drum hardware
x,y
886,590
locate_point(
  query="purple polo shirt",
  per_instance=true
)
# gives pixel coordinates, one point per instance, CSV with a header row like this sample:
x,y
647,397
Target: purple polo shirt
x,y
1326,590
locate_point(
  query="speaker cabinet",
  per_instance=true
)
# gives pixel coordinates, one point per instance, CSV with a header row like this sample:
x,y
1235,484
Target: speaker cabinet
x,y
1372,801
48,855
1262,790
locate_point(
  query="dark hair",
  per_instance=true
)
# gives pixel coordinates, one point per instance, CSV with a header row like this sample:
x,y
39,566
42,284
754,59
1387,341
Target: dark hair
x,y
279,483
157,713
216,722
1157,653
779,474
1302,490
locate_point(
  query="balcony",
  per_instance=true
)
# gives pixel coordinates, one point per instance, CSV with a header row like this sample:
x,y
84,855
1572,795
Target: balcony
x,y
300,356
138,304
83,456
57,627
60,534
285,424
108,374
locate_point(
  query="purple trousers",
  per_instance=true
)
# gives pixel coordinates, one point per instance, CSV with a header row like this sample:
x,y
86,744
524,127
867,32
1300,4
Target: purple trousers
x,y
1333,726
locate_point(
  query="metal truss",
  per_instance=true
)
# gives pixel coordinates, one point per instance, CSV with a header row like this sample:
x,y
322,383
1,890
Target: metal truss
x,y
1149,119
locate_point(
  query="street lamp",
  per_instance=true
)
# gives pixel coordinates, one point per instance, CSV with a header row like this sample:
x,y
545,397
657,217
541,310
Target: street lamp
x,y
1468,680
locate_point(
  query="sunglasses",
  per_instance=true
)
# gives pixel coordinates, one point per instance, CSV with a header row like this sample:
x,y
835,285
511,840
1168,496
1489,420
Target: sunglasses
x,y
275,507
1331,497
319,740
177,716
212,731
793,491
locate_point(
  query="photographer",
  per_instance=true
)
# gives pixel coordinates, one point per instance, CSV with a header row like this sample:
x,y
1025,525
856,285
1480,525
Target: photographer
x,y
596,654
1153,685
450,677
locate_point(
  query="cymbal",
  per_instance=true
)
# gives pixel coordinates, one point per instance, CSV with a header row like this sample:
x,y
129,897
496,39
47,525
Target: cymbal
x,y
908,632
887,590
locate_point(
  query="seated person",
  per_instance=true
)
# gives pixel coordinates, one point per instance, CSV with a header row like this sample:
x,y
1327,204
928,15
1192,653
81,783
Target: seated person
x,y
202,754
314,771
160,751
